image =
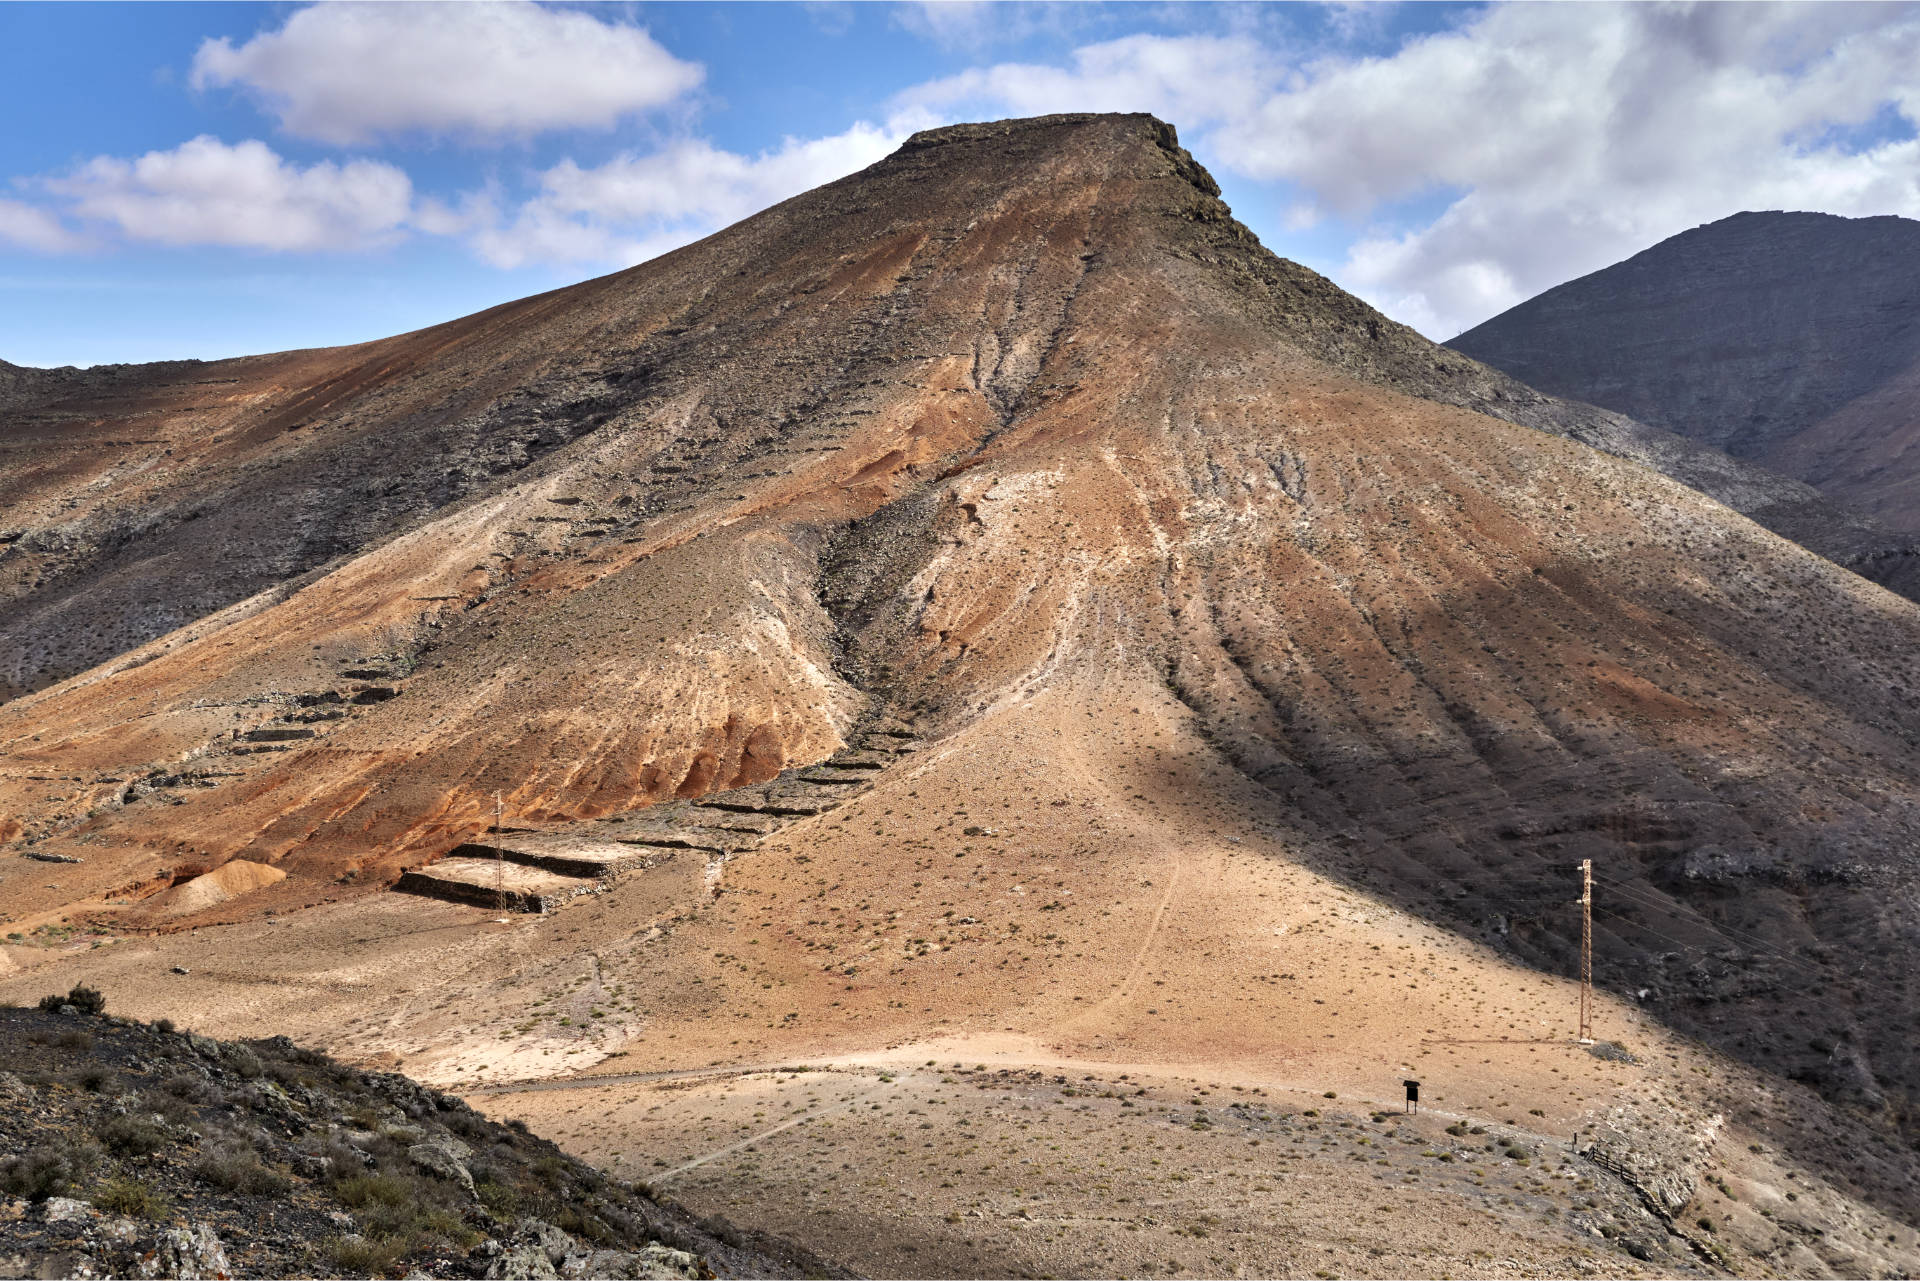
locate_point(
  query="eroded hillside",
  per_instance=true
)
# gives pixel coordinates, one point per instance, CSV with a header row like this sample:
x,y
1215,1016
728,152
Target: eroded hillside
x,y
1015,444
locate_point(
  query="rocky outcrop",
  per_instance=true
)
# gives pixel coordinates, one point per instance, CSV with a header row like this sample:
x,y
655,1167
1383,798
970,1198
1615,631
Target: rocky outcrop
x,y
1657,1148
129,1150
542,1252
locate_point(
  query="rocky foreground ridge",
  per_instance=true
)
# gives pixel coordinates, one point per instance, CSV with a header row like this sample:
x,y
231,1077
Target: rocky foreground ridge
x,y
138,1150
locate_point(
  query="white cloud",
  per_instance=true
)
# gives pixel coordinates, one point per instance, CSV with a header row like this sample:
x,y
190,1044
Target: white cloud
x,y
245,195
345,73
1183,79
636,207
30,227
205,192
1561,138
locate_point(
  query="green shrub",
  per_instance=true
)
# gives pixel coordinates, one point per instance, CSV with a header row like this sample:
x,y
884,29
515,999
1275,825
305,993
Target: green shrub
x,y
130,1197
359,1256
358,1191
499,1199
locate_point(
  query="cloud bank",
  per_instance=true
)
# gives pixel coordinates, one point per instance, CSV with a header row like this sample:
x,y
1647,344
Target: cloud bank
x,y
1462,170
205,192
348,73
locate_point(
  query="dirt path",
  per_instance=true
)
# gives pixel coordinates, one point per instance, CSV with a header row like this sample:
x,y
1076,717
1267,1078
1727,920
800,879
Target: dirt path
x,y
846,1105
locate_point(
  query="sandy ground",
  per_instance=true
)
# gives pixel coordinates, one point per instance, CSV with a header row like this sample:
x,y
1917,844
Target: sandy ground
x,y
1090,1039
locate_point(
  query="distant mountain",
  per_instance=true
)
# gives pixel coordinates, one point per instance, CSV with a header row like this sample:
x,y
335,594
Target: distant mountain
x,y
1787,339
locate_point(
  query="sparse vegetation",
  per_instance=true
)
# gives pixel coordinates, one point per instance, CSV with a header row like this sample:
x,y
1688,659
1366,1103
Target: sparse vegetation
x,y
131,1197
82,998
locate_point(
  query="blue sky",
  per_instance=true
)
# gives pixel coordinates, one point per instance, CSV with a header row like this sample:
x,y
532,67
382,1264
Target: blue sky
x,y
207,180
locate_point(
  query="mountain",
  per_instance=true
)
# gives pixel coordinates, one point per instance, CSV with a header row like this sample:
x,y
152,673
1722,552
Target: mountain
x,y
989,618
140,498
1791,340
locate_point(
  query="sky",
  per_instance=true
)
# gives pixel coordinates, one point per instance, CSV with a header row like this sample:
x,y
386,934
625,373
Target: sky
x,y
205,180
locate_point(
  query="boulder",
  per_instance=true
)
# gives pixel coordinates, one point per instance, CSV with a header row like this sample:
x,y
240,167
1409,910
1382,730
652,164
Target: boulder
x,y
537,1252
61,1209
655,1263
188,1254
444,1157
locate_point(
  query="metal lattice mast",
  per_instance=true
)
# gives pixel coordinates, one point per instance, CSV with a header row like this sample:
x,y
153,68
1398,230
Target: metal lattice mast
x,y
1586,951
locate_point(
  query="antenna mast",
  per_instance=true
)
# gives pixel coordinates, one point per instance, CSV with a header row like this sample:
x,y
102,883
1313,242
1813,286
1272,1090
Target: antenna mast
x,y
1586,951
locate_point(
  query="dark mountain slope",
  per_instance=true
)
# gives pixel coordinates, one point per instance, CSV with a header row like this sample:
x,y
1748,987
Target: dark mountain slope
x,y
1787,339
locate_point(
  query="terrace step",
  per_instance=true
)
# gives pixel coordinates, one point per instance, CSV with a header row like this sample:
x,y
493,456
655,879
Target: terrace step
x,y
563,853
508,887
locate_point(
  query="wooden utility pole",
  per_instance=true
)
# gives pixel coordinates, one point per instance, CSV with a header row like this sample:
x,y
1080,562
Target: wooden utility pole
x,y
1586,951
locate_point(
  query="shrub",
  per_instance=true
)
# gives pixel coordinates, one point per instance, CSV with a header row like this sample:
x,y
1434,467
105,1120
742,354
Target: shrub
x,y
49,1170
499,1199
194,1088
359,1256
82,998
75,1040
164,1026
131,1136
238,1169
357,1191
130,1197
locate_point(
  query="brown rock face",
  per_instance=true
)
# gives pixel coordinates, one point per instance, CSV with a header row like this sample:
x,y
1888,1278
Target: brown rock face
x,y
1018,412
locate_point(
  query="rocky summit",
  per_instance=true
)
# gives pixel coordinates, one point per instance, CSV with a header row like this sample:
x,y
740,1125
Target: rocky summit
x,y
982,721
